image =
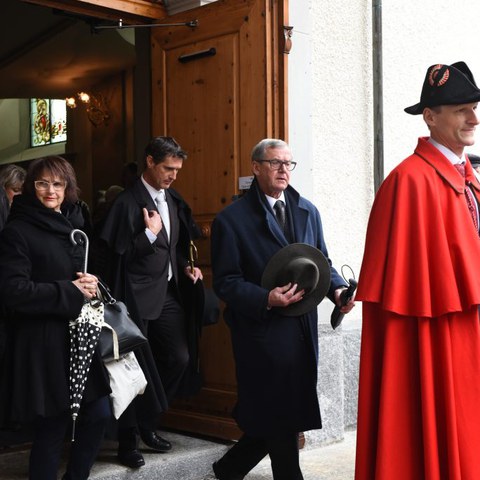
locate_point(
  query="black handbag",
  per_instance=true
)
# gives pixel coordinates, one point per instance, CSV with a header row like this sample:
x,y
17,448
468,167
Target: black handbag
x,y
120,334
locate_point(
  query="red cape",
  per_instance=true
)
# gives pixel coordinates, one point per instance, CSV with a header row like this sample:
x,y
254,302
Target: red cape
x,y
418,415
421,239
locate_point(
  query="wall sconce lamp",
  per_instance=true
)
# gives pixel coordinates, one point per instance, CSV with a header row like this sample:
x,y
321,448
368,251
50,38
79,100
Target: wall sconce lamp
x,y
96,107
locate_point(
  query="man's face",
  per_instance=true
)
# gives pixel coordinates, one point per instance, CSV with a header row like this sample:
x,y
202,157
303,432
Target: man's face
x,y
163,174
453,125
273,182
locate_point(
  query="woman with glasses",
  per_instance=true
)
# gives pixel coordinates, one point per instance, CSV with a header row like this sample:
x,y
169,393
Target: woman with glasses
x,y
41,282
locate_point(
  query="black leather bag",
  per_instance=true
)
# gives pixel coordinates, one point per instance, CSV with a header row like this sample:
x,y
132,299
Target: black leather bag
x,y
120,334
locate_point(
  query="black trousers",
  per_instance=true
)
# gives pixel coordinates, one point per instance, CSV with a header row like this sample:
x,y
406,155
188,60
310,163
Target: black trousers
x,y
49,439
248,451
168,340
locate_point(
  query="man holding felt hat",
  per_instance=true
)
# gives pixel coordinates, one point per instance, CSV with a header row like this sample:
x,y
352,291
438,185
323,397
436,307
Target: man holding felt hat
x,y
418,414
271,268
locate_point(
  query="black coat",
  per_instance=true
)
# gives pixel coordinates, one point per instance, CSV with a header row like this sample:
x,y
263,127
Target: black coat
x,y
275,355
4,207
137,273
38,263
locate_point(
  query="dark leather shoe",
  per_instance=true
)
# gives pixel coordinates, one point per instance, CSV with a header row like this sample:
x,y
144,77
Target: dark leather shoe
x,y
154,441
131,458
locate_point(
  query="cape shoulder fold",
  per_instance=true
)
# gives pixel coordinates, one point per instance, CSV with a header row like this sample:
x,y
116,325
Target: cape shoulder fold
x,y
422,253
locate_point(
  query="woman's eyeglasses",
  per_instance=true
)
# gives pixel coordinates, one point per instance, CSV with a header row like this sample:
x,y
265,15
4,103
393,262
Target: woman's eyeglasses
x,y
42,185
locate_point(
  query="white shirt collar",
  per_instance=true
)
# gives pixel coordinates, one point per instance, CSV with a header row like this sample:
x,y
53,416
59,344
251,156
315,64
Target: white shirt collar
x,y
454,159
271,200
152,191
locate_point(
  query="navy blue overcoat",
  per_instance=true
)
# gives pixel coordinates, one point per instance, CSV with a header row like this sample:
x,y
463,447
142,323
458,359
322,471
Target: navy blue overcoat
x,y
275,355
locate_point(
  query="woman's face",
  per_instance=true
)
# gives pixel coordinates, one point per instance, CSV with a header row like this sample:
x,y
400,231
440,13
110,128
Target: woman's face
x,y
12,190
50,190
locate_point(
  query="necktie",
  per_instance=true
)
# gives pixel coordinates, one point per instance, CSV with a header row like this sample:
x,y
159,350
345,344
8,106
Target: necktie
x,y
162,208
471,203
279,208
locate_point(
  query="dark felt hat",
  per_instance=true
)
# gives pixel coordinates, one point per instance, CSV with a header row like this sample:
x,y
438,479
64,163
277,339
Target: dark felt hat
x,y
304,265
207,304
446,85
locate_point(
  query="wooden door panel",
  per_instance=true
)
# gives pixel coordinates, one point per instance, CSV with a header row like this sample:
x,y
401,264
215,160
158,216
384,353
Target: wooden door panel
x,y
203,99
217,107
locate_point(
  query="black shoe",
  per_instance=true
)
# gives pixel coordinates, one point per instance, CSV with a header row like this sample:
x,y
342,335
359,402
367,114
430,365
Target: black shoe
x,y
154,441
131,458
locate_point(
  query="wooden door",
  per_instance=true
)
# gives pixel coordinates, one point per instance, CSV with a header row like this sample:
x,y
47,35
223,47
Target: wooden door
x,y
218,89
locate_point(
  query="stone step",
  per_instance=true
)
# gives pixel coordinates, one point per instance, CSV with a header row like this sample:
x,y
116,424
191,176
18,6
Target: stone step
x,y
190,459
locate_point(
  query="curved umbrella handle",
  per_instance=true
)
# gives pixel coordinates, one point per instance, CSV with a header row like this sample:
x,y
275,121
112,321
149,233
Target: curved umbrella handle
x,y
82,234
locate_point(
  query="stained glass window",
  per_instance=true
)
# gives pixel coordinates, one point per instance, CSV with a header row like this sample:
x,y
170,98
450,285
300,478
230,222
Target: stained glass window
x,y
48,121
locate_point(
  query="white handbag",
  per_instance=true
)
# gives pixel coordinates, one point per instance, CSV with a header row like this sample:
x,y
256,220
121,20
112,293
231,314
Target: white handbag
x,y
127,380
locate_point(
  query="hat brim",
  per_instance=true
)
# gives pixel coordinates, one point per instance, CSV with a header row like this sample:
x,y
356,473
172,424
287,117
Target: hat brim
x,y
416,109
273,271
419,107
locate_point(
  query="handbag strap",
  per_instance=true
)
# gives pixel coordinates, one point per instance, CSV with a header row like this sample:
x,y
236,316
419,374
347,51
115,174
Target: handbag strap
x,y
116,350
104,294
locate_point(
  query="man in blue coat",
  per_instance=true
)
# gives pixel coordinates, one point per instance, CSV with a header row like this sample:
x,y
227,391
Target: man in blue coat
x,y
275,354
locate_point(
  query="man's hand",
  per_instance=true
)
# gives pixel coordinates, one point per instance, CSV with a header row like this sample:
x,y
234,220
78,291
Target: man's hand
x,y
351,303
152,220
284,296
193,275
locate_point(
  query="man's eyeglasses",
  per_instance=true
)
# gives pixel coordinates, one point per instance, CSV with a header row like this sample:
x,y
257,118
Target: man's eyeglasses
x,y
276,164
42,185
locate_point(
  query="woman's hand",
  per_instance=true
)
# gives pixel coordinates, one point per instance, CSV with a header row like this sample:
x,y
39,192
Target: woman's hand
x,y
87,284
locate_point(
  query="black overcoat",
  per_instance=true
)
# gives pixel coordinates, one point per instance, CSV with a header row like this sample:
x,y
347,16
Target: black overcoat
x,y
37,265
275,355
137,273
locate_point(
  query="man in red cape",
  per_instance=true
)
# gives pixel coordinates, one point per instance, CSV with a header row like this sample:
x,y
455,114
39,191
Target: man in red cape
x,y
419,394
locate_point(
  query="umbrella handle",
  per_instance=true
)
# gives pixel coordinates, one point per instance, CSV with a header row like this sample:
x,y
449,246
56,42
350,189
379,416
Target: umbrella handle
x,y
74,421
74,232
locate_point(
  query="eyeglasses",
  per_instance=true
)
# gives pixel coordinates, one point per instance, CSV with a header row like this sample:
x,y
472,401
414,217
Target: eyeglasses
x,y
275,164
42,185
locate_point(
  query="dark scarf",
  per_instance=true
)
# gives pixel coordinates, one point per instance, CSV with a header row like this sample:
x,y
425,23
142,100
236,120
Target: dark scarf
x,y
30,210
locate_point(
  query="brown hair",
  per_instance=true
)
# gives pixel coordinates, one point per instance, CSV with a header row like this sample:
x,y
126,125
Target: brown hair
x,y
56,167
159,148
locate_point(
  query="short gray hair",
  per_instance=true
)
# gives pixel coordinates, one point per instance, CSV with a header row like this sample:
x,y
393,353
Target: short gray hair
x,y
259,150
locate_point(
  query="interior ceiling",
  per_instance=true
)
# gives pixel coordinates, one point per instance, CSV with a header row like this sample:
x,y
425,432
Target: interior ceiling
x,y
47,53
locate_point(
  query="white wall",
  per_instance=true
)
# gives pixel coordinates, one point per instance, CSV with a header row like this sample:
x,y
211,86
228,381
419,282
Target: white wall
x,y
330,122
417,35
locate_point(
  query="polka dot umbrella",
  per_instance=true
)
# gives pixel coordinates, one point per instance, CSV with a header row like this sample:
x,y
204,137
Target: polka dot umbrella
x,y
84,334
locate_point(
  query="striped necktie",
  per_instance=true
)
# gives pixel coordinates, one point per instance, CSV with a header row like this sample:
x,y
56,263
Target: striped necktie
x,y
471,203
280,214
